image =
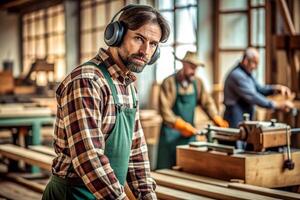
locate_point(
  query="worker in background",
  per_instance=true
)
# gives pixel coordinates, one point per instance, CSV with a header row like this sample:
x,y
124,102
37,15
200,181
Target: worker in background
x,y
242,92
179,95
98,136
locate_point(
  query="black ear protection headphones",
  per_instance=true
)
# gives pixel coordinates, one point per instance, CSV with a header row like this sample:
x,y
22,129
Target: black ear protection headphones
x,y
115,31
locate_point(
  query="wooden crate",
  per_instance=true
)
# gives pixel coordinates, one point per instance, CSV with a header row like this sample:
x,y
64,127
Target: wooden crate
x,y
261,170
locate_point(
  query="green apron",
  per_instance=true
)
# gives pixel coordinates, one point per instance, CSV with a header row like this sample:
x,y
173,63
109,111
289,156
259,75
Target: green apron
x,y
169,138
117,149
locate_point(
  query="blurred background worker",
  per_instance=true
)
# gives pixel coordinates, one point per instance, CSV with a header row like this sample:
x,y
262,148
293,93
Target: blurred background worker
x,y
242,92
179,95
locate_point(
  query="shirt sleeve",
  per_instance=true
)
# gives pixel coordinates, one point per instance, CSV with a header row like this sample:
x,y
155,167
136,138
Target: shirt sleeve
x,y
81,105
242,87
205,100
265,90
138,177
167,97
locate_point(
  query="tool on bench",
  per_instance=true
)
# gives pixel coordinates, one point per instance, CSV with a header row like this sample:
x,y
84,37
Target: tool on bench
x,y
259,136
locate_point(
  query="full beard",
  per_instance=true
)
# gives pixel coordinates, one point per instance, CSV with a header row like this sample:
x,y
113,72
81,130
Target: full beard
x,y
133,66
189,79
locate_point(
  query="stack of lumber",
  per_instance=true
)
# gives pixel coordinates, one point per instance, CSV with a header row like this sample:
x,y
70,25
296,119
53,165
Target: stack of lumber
x,y
214,188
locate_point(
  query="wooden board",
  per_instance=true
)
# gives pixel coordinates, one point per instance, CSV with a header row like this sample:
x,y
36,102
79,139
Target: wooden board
x,y
206,190
265,191
19,110
14,191
238,186
165,193
43,149
188,176
260,170
32,158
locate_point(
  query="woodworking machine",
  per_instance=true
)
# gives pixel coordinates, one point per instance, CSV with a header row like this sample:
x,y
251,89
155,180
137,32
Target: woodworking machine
x,y
267,161
259,135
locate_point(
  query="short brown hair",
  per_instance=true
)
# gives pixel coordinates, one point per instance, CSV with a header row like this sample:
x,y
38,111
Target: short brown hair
x,y
139,15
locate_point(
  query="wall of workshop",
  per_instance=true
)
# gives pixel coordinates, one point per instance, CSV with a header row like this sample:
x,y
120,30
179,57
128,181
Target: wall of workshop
x,y
9,40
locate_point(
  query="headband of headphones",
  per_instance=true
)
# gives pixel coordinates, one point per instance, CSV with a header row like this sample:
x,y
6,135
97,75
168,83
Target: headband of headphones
x,y
127,8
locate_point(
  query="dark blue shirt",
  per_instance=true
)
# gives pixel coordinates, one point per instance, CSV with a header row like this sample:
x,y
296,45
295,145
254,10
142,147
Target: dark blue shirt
x,y
241,93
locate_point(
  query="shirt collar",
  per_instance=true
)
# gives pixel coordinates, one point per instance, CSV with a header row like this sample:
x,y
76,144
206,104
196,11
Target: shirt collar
x,y
114,70
243,68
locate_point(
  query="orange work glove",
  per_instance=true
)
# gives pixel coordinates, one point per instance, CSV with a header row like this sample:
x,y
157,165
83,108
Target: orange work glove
x,y
219,121
185,128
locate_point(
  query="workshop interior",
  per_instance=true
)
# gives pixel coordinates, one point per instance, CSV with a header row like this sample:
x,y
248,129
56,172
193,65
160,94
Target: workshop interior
x,y
219,108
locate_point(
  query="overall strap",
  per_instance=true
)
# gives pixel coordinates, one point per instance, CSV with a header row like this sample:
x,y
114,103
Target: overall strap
x,y
133,96
108,78
112,86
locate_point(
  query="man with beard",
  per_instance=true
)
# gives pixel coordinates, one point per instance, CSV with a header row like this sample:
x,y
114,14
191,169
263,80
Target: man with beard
x,y
179,95
98,136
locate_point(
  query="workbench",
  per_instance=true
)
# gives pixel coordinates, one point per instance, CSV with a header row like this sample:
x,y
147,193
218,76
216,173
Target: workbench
x,y
261,169
27,120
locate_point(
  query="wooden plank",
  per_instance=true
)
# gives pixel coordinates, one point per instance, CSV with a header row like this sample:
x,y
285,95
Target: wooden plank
x,y
30,184
165,193
43,149
14,191
188,176
12,111
239,186
210,191
30,157
265,191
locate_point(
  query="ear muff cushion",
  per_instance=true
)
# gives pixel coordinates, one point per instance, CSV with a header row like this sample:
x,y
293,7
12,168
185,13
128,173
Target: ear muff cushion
x,y
114,33
155,56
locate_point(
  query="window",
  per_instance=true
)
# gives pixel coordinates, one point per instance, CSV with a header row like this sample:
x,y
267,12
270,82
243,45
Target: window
x,y
43,36
95,15
182,18
239,24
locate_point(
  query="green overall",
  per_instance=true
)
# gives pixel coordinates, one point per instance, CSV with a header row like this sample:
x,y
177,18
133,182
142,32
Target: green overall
x,y
117,149
169,138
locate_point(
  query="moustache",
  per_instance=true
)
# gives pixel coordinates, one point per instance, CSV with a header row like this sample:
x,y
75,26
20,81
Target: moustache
x,y
140,57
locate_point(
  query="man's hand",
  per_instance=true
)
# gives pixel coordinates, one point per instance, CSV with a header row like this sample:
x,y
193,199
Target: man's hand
x,y
185,128
219,121
284,105
283,90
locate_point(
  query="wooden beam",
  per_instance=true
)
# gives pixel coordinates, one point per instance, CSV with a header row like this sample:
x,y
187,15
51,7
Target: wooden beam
x,y
268,42
169,193
14,3
30,184
244,187
265,191
285,41
286,17
43,149
193,177
30,157
206,190
292,57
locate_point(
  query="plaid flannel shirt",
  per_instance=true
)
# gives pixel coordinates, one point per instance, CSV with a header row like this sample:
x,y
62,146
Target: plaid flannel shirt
x,y
85,116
